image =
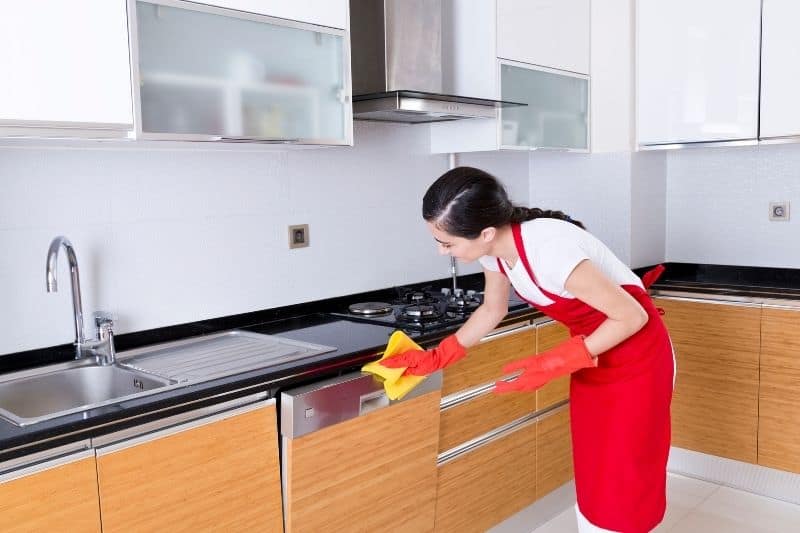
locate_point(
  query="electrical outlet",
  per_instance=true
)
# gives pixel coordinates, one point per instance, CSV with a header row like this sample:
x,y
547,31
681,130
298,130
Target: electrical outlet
x,y
779,211
298,236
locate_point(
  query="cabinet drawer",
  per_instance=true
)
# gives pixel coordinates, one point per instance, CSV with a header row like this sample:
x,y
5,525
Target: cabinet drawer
x,y
488,484
484,362
548,336
553,452
477,416
715,403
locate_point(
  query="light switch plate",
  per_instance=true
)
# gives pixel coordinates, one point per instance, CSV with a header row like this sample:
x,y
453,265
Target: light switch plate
x,y
779,211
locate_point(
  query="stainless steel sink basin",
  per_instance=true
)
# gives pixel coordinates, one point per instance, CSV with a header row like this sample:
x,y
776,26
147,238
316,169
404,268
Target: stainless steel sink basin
x,y
35,395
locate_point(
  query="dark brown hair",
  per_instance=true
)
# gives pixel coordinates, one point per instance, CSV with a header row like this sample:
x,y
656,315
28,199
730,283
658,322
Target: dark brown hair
x,y
465,200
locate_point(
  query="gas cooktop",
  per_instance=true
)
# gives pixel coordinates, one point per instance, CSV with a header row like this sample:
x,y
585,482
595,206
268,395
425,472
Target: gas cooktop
x,y
421,309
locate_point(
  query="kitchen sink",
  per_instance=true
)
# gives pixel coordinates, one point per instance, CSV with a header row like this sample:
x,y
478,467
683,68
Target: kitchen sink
x,y
33,396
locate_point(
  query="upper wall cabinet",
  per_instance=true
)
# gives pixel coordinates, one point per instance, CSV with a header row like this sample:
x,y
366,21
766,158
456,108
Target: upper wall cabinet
x,y
206,73
66,70
531,52
547,33
697,71
332,13
780,69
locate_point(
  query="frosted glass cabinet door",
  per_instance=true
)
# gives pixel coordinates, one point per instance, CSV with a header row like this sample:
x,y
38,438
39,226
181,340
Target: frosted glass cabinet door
x,y
207,73
697,70
64,67
557,114
780,69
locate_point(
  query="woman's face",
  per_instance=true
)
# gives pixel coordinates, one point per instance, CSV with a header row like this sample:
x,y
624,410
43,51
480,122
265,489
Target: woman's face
x,y
465,250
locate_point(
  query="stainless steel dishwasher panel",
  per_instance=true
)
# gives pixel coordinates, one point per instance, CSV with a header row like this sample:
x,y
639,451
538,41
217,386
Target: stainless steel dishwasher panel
x,y
319,405
305,410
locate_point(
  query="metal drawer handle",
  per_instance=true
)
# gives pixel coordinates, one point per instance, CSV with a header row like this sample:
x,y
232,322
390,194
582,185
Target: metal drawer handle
x,y
372,401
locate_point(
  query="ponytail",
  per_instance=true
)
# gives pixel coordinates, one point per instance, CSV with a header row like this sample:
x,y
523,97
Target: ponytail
x,y
521,214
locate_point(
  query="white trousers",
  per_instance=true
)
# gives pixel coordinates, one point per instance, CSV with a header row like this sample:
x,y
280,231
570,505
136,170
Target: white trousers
x,y
584,526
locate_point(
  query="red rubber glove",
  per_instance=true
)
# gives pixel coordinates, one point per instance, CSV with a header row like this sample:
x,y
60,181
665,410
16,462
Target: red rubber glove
x,y
537,370
424,362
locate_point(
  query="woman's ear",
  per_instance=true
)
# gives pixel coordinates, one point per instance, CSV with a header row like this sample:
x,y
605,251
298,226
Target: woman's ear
x,y
488,234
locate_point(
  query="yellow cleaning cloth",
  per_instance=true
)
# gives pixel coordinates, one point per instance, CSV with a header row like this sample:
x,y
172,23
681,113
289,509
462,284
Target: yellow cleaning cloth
x,y
394,382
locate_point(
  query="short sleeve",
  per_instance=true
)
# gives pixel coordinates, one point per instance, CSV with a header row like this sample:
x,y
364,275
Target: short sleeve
x,y
489,263
556,260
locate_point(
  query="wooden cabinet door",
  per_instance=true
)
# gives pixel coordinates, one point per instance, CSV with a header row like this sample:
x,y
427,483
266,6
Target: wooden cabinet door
x,y
779,401
484,362
59,496
488,484
715,403
220,473
548,336
375,472
553,452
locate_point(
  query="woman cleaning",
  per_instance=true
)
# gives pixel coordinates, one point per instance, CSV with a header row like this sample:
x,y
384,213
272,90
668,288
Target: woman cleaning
x,y
619,354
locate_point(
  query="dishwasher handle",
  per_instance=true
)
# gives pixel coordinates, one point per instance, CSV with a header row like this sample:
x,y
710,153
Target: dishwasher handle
x,y
372,401
319,405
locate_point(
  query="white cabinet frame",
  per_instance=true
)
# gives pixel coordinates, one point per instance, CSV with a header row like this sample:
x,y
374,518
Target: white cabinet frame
x,y
133,36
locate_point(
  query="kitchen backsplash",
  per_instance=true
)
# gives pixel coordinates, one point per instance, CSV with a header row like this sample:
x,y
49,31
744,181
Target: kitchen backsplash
x,y
718,205
168,236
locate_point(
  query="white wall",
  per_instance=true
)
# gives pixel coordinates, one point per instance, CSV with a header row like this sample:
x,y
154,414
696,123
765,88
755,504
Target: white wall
x,y
648,208
592,188
171,236
718,205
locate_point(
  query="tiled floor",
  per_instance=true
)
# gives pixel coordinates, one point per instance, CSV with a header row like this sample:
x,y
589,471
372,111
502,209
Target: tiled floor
x,y
695,506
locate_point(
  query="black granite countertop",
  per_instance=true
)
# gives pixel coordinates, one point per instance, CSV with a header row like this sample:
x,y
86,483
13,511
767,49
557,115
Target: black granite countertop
x,y
730,282
357,343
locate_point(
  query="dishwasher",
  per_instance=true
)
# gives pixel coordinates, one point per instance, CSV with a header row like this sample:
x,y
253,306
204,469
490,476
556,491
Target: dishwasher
x,y
353,460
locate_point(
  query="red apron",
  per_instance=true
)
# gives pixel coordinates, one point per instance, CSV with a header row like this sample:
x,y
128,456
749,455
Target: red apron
x,y
619,413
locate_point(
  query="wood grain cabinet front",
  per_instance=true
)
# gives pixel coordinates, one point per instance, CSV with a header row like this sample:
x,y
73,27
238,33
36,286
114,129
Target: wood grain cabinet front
x,y
484,362
484,486
219,473
553,451
374,472
548,336
715,403
56,496
779,397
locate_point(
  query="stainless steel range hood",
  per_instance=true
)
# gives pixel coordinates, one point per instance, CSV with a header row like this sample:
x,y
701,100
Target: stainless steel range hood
x,y
396,50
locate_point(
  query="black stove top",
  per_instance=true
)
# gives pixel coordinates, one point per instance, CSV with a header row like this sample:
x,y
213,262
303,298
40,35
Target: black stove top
x,y
423,309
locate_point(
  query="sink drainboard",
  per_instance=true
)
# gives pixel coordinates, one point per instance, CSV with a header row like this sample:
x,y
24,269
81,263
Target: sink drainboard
x,y
218,355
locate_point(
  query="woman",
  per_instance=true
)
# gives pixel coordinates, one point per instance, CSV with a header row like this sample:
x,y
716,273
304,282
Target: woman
x,y
619,353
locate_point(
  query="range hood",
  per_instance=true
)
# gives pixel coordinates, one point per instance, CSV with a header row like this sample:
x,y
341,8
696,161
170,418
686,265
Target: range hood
x,y
397,65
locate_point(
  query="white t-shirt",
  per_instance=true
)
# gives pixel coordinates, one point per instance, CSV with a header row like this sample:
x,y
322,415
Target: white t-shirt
x,y
554,248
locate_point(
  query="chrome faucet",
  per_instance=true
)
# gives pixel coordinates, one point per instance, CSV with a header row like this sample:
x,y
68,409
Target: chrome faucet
x,y
102,347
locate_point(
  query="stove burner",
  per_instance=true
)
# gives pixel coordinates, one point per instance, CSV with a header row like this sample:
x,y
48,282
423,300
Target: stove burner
x,y
421,296
420,312
370,308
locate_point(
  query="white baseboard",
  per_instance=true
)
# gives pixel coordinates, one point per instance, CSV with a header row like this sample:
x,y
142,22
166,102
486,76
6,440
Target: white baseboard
x,y
540,512
736,474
